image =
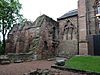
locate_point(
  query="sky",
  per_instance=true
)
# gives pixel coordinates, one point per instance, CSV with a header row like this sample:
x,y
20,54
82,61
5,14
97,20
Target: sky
x,y
31,9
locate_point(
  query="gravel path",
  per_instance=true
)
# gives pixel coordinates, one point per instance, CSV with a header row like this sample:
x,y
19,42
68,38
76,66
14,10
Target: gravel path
x,y
21,68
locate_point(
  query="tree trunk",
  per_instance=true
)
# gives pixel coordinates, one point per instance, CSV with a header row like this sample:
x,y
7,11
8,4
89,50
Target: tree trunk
x,y
3,33
4,44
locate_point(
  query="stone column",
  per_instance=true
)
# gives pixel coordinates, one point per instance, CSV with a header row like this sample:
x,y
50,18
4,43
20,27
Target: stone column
x,y
83,48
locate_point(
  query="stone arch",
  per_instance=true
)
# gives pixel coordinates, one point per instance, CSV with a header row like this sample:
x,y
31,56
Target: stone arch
x,y
69,29
45,45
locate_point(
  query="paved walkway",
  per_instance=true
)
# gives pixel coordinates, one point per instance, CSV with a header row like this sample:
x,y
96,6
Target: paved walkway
x,y
21,68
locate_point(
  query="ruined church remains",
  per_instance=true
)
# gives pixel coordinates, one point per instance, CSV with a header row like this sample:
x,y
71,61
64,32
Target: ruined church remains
x,y
71,34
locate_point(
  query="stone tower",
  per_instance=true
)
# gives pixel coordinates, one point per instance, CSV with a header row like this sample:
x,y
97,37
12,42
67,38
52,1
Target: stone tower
x,y
87,11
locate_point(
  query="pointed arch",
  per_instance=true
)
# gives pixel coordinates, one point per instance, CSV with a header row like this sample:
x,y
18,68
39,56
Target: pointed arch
x,y
68,30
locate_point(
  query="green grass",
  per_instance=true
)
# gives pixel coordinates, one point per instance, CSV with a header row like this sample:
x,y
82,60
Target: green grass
x,y
87,63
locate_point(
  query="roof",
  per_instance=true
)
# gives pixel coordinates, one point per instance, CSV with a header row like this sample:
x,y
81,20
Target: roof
x,y
69,14
39,21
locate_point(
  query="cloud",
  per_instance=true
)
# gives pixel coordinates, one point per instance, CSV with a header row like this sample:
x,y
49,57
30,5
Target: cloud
x,y
53,8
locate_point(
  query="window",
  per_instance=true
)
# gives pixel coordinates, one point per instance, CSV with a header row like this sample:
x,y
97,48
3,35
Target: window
x,y
68,31
97,8
99,25
45,45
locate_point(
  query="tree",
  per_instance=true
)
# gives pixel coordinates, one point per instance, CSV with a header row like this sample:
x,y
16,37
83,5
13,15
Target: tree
x,y
9,14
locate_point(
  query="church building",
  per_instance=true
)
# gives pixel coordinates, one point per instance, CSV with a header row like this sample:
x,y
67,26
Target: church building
x,y
82,25
77,32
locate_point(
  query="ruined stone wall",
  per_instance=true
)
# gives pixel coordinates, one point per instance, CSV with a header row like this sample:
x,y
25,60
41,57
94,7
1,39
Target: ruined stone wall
x,y
19,39
68,46
39,37
63,22
48,38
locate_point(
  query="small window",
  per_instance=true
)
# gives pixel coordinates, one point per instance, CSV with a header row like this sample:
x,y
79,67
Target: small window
x,y
45,45
99,25
98,15
99,10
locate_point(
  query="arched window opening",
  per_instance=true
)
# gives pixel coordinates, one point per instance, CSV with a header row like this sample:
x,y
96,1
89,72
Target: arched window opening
x,y
45,45
68,31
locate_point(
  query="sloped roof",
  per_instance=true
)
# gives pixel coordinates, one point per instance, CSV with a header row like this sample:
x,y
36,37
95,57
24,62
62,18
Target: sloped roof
x,y
38,22
69,14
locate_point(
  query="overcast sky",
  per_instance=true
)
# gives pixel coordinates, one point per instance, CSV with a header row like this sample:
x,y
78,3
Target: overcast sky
x,y
53,8
31,9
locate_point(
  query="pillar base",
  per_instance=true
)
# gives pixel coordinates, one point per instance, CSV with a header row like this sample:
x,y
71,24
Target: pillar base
x,y
83,49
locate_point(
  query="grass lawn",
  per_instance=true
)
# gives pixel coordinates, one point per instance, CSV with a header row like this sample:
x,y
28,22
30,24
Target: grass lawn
x,y
87,63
